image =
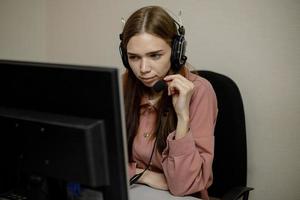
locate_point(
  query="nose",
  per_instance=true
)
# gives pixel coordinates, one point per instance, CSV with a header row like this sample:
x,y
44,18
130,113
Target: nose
x,y
144,67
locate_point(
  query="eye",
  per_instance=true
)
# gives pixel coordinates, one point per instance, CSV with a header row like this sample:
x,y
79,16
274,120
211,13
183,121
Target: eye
x,y
133,57
155,56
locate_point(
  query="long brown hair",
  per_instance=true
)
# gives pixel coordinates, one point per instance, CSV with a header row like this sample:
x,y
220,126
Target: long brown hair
x,y
156,21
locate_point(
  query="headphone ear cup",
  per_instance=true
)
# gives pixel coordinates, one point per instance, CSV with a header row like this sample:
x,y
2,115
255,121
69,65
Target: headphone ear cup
x,y
174,55
178,57
124,57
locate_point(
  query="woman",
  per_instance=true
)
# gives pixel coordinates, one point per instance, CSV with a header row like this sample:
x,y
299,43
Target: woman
x,y
170,132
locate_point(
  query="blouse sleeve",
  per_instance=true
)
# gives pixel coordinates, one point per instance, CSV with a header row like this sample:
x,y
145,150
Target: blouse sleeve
x,y
187,162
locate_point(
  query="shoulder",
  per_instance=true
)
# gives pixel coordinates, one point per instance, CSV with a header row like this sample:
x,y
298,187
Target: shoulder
x,y
201,85
204,101
204,98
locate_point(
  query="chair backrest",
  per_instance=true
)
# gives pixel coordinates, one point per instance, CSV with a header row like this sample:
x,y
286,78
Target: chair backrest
x,y
230,160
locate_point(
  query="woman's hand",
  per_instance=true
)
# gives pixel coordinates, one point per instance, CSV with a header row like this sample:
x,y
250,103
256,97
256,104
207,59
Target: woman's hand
x,y
153,179
181,90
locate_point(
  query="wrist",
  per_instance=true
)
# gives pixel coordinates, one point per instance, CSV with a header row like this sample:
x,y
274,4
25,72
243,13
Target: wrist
x,y
182,127
183,118
144,179
139,170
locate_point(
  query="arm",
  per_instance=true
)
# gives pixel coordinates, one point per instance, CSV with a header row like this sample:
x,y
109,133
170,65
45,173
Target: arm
x,y
187,160
153,179
150,178
181,91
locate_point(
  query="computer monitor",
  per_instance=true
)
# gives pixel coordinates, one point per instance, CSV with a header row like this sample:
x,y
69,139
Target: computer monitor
x,y
64,122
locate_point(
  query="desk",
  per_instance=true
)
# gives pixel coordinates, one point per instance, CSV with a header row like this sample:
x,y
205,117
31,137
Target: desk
x,y
142,192
136,192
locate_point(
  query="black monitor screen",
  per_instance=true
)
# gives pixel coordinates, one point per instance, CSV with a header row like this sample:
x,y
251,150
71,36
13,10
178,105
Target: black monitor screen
x,y
64,122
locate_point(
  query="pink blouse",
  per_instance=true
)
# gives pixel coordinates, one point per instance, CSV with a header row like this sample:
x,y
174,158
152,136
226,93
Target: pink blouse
x,y
186,162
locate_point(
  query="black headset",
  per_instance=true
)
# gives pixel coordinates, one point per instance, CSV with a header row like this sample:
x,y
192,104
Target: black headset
x,y
178,57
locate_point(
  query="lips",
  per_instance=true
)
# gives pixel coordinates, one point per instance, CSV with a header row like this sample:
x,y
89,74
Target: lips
x,y
144,78
147,79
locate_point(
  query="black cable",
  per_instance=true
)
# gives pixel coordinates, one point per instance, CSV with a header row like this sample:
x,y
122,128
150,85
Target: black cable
x,y
136,177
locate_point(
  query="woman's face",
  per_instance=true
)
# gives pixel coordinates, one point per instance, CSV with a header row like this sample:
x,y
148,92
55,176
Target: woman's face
x,y
149,58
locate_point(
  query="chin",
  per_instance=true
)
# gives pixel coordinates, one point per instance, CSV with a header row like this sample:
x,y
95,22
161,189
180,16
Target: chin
x,y
148,84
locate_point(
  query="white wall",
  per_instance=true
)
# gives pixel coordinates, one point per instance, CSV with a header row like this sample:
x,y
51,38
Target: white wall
x,y
22,30
254,42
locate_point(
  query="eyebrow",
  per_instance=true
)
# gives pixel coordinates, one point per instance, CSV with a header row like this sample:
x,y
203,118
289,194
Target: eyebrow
x,y
149,53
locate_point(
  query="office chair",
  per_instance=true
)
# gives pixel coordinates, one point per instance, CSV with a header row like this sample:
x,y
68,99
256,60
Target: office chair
x,y
230,158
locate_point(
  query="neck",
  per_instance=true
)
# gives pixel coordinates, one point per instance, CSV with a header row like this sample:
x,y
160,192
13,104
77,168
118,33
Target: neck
x,y
154,97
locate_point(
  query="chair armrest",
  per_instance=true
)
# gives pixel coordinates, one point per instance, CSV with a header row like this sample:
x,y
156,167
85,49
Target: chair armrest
x,y
236,193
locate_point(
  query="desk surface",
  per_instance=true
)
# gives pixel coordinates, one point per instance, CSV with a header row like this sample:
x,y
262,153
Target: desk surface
x,y
138,192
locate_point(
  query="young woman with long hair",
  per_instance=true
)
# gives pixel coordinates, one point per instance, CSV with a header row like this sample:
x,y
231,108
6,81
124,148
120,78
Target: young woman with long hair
x,y
170,132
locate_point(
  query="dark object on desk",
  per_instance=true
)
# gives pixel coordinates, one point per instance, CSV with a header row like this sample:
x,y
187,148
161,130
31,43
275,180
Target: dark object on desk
x,y
61,98
230,160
